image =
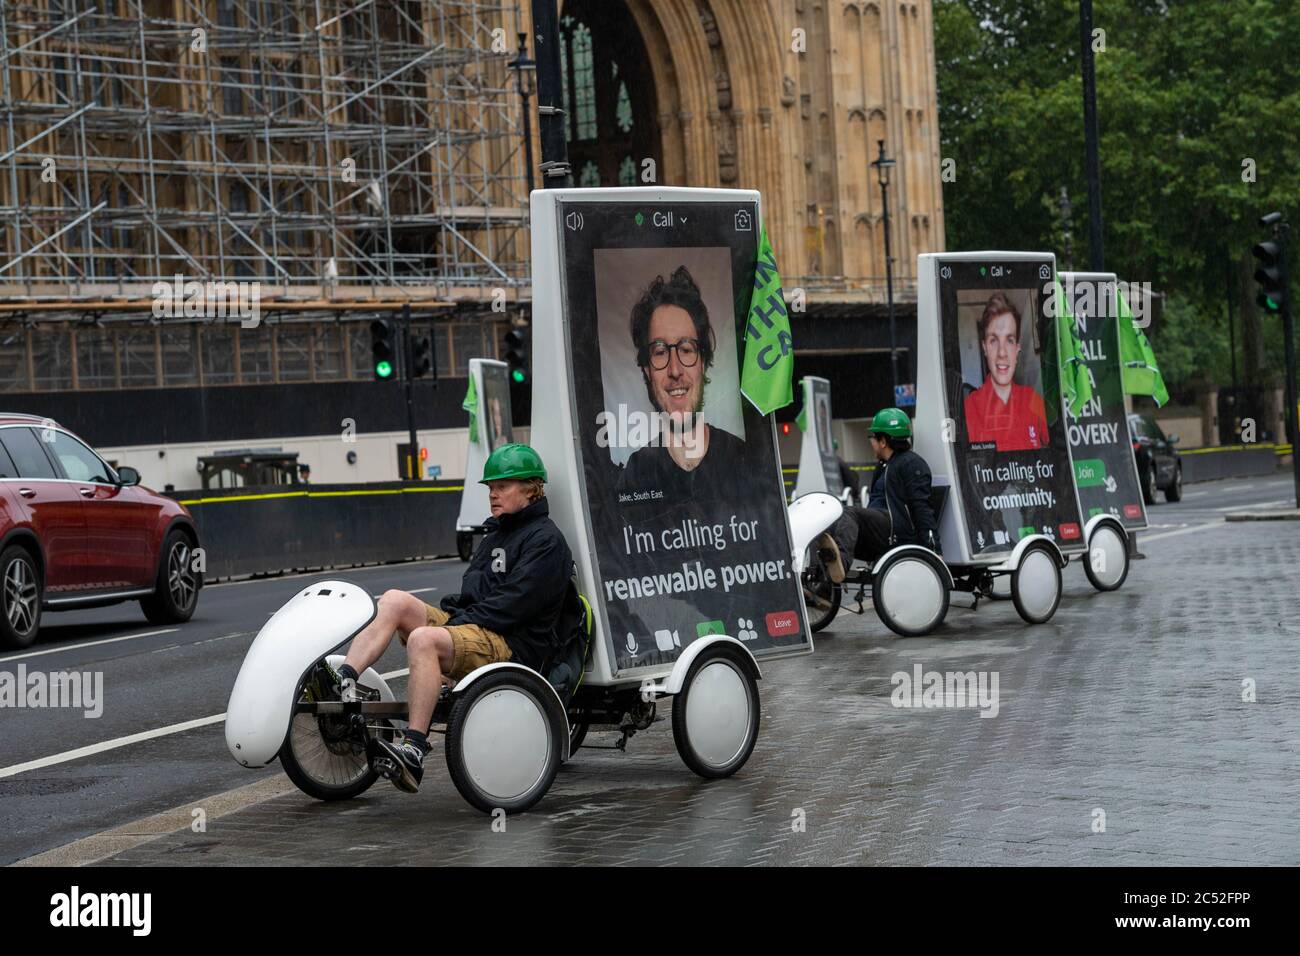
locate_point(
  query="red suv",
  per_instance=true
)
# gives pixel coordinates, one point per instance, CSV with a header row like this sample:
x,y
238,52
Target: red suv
x,y
75,533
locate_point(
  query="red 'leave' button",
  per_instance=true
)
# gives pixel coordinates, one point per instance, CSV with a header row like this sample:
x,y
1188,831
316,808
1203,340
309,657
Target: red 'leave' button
x,y
1069,530
781,623
1132,511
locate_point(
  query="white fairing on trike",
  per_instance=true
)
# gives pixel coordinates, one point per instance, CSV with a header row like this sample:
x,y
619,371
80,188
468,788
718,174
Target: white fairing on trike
x,y
315,621
1013,560
682,666
810,515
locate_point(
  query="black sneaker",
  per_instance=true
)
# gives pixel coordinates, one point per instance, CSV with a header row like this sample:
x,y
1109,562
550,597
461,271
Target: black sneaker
x,y
401,761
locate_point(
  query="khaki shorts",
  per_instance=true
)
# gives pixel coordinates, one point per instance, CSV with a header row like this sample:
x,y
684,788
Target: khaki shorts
x,y
472,646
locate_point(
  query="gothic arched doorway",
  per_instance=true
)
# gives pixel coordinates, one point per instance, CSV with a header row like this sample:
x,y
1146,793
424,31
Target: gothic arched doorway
x,y
611,117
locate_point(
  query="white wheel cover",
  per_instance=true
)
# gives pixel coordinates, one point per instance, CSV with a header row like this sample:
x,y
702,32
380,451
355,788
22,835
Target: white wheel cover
x,y
911,593
718,713
1037,583
506,743
1107,555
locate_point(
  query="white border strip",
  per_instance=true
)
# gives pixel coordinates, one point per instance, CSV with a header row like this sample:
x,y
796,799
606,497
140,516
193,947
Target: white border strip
x,y
118,742
74,647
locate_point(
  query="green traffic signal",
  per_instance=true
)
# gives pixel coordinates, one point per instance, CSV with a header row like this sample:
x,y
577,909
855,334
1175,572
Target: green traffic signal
x,y
518,375
383,370
1269,275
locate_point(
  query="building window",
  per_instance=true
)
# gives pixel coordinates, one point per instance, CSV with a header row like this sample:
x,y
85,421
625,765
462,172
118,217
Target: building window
x,y
232,96
178,359
255,356
627,172
219,354
327,348
580,73
96,359
590,175
623,112
226,13
440,332
13,360
467,343
294,348
138,356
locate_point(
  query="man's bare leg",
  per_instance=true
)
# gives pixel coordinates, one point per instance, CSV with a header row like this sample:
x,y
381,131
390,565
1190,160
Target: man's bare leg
x,y
430,653
398,612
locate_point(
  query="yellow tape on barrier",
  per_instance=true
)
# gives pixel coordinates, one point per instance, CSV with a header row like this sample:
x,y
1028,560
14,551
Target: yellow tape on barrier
x,y
317,494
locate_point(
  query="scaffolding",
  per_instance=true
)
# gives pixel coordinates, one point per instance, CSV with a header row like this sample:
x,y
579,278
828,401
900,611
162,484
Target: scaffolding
x,y
348,156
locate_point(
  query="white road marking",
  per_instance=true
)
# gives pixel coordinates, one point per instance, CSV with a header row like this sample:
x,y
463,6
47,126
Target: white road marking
x,y
113,744
73,647
1194,494
118,742
1147,539
1256,504
323,573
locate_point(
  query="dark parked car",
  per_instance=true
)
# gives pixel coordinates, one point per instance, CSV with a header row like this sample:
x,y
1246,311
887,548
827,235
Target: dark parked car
x,y
75,533
1158,463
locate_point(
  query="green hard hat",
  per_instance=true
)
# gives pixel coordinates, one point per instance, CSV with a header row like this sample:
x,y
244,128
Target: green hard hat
x,y
513,461
893,422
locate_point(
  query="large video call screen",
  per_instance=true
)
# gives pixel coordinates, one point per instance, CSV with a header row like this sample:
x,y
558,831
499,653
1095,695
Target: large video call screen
x,y
682,483
1002,394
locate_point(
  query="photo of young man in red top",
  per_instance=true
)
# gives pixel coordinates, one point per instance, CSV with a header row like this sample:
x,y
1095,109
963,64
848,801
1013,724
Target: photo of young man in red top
x,y
1001,411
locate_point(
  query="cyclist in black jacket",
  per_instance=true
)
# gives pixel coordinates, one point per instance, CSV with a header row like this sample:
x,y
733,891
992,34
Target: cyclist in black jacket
x,y
898,510
510,599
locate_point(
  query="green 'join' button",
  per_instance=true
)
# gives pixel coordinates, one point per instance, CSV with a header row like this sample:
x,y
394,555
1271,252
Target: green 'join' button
x,y
1089,472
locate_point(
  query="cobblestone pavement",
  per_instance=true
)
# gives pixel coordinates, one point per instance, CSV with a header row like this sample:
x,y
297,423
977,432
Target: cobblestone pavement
x,y
1127,704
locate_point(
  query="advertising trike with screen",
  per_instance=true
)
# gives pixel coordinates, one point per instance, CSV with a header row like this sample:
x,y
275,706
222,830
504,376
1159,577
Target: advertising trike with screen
x,y
665,483
990,422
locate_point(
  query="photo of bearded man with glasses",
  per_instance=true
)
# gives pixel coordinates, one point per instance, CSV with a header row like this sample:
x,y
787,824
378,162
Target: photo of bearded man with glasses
x,y
675,344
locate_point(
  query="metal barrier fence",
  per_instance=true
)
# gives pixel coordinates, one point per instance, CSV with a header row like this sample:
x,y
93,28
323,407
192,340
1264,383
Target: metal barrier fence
x,y
265,530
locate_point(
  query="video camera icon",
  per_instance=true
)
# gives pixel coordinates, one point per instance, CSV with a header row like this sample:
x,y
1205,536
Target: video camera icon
x,y
666,640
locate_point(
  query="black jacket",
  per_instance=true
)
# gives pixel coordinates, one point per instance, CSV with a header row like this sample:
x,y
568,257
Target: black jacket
x,y
516,582
901,487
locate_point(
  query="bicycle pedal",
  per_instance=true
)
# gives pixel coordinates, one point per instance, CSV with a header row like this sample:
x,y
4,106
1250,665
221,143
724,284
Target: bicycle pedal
x,y
386,768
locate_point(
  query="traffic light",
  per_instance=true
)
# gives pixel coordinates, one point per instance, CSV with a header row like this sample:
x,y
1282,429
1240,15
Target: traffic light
x,y
381,349
517,355
1270,276
421,355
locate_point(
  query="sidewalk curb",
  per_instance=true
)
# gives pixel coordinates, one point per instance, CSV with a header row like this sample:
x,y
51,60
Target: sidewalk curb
x,y
101,846
1290,514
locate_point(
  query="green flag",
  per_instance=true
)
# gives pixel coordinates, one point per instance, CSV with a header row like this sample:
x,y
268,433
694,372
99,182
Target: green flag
x,y
470,404
1076,383
768,366
1137,362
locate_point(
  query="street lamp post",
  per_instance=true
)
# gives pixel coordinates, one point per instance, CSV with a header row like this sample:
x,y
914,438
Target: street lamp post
x,y
882,166
525,77
550,95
